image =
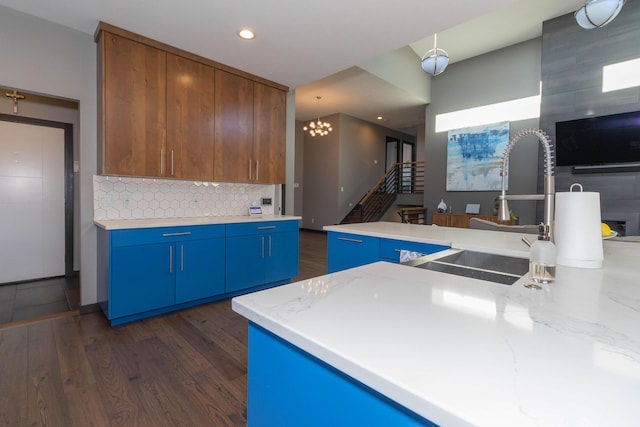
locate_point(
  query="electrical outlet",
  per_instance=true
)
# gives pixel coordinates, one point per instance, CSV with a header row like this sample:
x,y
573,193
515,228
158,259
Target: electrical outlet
x,y
266,200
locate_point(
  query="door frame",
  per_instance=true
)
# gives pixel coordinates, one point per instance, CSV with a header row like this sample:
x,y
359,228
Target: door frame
x,y
68,179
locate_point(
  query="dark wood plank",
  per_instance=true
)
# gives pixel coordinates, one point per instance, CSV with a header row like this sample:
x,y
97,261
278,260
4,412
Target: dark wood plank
x,y
13,376
46,404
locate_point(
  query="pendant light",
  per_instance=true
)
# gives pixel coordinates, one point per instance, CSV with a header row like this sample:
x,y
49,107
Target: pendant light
x,y
318,127
598,13
435,60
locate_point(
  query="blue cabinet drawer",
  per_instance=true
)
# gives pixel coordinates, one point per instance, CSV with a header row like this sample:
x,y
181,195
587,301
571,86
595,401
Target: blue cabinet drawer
x,y
390,248
346,250
144,236
261,227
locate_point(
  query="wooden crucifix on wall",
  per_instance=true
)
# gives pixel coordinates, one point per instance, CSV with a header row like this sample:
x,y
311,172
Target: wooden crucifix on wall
x,y
16,96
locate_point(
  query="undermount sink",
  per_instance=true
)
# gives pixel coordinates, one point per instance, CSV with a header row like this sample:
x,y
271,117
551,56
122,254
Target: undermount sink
x,y
501,269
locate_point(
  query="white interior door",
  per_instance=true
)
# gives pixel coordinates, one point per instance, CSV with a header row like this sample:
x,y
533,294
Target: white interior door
x,y
32,234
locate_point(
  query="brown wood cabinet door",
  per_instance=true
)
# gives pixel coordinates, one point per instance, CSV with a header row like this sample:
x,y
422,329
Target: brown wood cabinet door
x,y
133,108
190,119
233,128
269,133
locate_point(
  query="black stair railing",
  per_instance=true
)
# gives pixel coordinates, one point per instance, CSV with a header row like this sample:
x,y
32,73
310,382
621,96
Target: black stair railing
x,y
401,178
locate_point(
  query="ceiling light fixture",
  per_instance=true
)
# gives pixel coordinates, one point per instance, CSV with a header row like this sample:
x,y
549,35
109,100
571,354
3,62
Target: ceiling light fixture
x,y
435,60
246,34
598,13
318,127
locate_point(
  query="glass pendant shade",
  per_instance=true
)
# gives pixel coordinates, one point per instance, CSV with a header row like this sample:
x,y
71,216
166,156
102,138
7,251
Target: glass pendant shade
x,y
598,13
435,61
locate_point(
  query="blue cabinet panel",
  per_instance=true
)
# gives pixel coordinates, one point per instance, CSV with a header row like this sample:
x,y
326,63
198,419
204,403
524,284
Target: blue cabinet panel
x,y
289,387
141,279
390,249
346,250
282,256
245,262
199,266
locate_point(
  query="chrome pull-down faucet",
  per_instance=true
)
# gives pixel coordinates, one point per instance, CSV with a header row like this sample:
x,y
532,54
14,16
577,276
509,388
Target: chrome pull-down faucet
x,y
549,181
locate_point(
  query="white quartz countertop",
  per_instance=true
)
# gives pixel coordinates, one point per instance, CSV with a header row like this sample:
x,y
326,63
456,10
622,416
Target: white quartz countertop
x,y
121,224
464,352
501,243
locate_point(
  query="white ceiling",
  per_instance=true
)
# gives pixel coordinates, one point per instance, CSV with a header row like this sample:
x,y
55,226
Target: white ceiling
x,y
316,47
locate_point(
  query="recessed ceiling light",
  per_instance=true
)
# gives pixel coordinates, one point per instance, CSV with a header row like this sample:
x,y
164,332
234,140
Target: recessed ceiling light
x,y
379,117
246,34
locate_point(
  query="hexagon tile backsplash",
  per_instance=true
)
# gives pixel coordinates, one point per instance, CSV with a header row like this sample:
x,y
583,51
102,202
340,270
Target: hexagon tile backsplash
x,y
137,198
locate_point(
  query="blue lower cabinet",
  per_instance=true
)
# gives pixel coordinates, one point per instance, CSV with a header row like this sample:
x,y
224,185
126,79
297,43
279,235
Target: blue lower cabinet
x,y
142,272
261,253
289,387
346,250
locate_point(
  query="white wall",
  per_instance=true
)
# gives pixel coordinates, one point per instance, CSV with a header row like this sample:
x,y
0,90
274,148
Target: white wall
x,y
41,57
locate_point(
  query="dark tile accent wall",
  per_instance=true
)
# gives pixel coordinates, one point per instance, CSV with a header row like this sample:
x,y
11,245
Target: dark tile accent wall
x,y
572,61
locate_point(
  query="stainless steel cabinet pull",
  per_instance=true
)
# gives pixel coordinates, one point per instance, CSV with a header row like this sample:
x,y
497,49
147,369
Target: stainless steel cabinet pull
x,y
269,245
184,233
257,171
262,246
171,259
249,170
181,257
161,161
171,162
350,240
266,227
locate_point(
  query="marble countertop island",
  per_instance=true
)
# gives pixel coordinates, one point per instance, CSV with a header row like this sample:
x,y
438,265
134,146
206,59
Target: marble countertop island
x,y
465,352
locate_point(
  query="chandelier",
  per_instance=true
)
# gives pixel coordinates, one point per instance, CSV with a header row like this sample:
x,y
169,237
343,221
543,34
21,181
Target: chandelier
x,y
318,127
435,60
598,13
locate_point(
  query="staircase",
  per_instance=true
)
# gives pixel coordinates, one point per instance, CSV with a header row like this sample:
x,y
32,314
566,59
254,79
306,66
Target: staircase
x,y
401,178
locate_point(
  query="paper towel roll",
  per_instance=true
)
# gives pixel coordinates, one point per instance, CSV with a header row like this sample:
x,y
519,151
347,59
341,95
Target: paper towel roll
x,y
577,234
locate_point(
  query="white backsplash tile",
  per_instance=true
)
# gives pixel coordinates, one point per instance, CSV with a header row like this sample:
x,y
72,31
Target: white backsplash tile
x,y
137,198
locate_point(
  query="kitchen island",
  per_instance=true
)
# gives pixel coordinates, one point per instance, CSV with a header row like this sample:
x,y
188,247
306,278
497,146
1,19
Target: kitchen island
x,y
432,347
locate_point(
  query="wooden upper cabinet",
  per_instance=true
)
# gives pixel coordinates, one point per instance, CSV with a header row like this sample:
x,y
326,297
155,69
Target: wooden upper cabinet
x,y
133,107
190,119
164,112
269,133
233,128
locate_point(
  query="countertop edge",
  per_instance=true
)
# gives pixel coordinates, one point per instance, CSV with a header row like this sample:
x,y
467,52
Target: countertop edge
x,y
122,224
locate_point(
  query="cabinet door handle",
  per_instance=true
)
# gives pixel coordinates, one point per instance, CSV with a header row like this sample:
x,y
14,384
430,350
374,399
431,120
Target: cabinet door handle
x,y
171,259
257,171
269,246
181,257
171,162
249,169
161,161
184,233
350,240
262,246
266,227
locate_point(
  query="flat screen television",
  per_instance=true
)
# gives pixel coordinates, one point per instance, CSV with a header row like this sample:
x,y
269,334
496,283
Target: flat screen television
x,y
602,140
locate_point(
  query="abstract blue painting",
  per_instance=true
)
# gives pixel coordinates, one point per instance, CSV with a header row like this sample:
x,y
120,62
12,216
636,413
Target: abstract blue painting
x,y
474,157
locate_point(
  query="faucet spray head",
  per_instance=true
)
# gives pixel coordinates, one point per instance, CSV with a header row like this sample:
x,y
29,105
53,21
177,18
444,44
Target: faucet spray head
x,y
503,208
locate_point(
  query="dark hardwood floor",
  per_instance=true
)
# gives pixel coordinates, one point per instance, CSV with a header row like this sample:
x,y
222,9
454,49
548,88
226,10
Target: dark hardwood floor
x,y
187,368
